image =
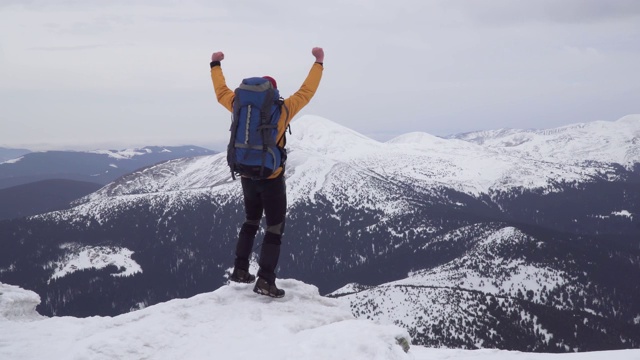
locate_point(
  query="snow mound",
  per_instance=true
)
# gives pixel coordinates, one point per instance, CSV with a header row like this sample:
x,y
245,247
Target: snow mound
x,y
229,323
17,303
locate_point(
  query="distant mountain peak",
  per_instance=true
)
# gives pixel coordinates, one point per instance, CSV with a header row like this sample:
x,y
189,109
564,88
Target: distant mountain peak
x,y
633,119
315,133
415,137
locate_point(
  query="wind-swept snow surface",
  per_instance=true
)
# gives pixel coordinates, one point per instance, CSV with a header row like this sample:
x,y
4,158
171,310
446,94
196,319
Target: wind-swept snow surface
x,y
229,323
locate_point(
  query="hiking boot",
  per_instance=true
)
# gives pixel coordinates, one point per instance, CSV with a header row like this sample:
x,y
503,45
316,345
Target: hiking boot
x,y
264,288
242,276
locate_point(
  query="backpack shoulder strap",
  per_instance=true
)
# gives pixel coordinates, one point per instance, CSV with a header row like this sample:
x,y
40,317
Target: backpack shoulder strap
x,y
284,107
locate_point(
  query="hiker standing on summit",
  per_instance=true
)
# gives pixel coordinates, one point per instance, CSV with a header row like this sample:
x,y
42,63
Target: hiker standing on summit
x,y
264,189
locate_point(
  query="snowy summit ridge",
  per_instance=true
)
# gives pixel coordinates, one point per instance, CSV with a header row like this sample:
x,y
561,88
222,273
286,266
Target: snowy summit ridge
x,y
229,323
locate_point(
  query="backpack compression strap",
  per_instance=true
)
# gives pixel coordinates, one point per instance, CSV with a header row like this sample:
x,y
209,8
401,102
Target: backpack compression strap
x,y
266,126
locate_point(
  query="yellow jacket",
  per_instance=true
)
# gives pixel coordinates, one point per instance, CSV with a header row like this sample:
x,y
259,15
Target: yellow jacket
x,y
294,103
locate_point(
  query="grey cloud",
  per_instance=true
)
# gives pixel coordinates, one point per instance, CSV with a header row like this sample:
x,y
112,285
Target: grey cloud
x,y
96,26
185,19
506,12
67,48
79,4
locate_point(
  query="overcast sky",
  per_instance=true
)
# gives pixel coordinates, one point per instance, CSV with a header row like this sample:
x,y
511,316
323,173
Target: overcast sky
x,y
89,74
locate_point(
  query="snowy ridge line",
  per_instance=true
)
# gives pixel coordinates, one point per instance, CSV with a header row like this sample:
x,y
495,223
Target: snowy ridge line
x,y
133,152
202,172
324,156
436,287
410,286
600,141
122,154
101,209
12,161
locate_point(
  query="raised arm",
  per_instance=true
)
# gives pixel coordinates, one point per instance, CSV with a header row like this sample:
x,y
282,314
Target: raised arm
x,y
224,95
301,98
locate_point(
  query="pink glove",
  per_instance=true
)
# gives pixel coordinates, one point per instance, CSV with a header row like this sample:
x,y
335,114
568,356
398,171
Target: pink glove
x,y
318,53
217,56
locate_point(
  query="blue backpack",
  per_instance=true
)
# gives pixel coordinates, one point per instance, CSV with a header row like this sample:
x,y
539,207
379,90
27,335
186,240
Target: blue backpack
x,y
253,149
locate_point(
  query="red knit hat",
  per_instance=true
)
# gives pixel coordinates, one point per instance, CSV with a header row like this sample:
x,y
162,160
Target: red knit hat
x,y
272,80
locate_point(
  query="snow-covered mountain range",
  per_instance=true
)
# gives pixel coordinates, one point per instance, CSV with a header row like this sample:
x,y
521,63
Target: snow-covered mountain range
x,y
324,156
481,163
99,166
513,239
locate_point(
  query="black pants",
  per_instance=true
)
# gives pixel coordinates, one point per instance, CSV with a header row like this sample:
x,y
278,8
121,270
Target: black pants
x,y
267,196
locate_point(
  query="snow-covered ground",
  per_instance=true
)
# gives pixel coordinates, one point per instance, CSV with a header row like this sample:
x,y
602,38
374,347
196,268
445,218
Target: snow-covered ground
x,y
229,323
